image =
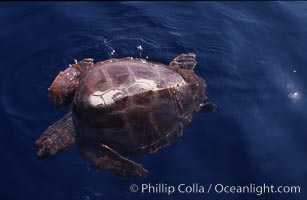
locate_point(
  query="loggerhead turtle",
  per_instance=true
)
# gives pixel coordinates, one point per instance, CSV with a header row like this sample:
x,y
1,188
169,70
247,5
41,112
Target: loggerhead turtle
x,y
123,107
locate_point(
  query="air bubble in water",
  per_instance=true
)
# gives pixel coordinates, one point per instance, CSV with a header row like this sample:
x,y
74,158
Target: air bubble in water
x,y
139,47
295,96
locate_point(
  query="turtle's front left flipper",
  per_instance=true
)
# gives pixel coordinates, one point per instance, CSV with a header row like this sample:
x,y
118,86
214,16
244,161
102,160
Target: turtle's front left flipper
x,y
56,138
105,158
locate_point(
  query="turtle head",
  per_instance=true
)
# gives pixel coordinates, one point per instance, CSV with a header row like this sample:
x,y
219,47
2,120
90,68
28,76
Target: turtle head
x,y
62,89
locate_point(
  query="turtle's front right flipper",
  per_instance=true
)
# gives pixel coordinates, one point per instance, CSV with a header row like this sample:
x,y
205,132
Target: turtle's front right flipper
x,y
105,158
56,138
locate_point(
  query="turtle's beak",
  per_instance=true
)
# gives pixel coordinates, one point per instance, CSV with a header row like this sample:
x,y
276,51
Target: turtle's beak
x,y
56,97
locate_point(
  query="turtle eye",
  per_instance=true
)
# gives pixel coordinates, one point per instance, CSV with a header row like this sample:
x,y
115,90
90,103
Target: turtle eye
x,y
88,60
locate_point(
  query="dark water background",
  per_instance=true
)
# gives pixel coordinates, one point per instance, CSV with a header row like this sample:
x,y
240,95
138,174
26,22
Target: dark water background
x,y
252,55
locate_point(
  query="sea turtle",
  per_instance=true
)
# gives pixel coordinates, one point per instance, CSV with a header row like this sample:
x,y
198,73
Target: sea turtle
x,y
123,107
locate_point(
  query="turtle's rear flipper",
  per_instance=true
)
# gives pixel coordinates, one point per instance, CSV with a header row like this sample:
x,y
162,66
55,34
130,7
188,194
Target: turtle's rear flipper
x,y
105,158
208,107
186,61
56,138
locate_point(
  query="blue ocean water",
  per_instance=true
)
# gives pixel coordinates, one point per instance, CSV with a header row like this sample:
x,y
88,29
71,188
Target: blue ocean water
x,y
251,54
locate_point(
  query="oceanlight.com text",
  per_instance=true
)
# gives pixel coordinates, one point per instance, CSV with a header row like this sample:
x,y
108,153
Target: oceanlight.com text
x,y
197,188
